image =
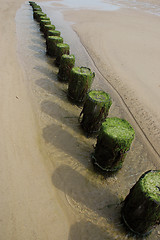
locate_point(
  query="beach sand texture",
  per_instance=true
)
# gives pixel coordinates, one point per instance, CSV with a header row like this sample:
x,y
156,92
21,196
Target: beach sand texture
x,y
47,185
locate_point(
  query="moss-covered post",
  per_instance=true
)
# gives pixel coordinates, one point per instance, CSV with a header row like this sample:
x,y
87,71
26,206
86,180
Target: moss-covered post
x,y
38,14
61,48
47,28
51,43
43,23
95,110
36,6
45,17
141,209
81,79
54,33
113,143
66,64
37,9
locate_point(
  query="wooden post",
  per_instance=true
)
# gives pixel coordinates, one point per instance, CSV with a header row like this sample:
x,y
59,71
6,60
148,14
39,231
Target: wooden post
x,y
113,143
47,28
66,64
43,23
79,84
35,6
44,18
54,33
36,9
95,110
141,209
61,48
38,14
51,44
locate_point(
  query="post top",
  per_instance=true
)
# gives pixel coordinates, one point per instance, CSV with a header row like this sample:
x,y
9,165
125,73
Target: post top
x,y
82,70
62,45
118,132
150,184
99,96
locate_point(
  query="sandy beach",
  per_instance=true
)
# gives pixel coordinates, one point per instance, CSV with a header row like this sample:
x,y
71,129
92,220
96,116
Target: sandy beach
x,y
48,187
126,51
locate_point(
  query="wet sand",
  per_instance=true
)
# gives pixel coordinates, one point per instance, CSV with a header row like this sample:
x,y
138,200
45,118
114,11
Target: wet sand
x,y
29,205
48,186
124,45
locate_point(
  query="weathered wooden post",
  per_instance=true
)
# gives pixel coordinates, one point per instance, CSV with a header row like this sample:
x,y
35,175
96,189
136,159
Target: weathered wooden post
x,y
38,14
66,64
141,209
54,33
81,79
36,9
36,6
61,48
51,43
113,143
47,28
95,110
44,18
43,23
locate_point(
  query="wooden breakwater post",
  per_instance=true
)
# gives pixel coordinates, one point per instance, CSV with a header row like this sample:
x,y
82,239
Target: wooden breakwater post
x,y
38,14
61,48
37,9
47,28
81,79
44,22
95,110
141,208
54,33
34,5
66,64
113,143
51,43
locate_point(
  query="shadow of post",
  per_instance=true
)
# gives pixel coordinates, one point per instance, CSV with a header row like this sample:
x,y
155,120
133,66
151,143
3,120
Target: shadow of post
x,y
88,197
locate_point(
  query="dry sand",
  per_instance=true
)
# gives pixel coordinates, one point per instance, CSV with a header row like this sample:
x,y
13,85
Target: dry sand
x,y
32,204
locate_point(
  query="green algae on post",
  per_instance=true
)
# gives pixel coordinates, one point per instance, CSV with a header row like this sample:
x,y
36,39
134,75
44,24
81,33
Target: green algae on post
x,y
141,209
95,110
35,6
81,79
43,17
61,48
43,23
47,28
66,64
37,9
113,143
54,33
51,43
38,14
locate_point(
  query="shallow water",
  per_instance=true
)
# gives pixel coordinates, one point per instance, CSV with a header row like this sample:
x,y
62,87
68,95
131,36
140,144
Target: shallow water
x,y
133,4
107,5
94,201
87,4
